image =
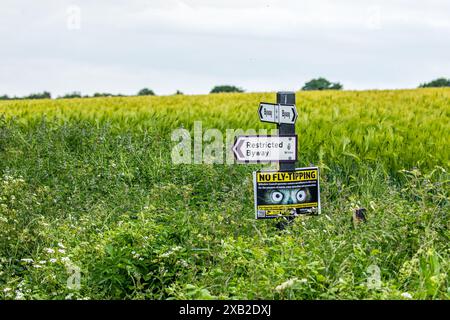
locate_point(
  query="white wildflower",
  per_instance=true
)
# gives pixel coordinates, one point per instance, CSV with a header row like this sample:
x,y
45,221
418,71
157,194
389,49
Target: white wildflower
x,y
184,263
406,295
53,260
19,295
37,266
42,262
26,260
50,250
171,251
287,284
6,289
61,251
61,245
65,259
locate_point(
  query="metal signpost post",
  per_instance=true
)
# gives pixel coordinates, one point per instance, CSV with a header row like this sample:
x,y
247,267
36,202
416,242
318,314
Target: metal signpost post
x,y
284,128
286,97
290,191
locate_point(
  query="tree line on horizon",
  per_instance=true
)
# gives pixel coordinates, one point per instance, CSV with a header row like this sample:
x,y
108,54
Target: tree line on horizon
x,y
314,84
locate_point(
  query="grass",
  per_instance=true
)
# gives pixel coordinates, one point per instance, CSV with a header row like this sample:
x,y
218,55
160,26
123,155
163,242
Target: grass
x,y
89,184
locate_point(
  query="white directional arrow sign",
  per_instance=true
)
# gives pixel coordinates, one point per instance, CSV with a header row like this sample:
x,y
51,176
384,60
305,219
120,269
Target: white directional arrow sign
x,y
265,148
267,112
277,113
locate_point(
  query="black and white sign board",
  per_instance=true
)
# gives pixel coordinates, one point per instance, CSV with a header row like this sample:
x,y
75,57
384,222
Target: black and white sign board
x,y
277,113
290,191
286,193
262,149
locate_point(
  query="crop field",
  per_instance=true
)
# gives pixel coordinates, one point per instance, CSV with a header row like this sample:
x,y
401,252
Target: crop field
x,y
93,207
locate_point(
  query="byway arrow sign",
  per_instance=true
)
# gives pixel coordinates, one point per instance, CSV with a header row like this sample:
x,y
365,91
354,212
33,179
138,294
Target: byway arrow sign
x,y
265,148
277,113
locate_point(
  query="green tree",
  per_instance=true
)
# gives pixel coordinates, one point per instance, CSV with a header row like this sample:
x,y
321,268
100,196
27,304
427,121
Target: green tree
x,y
322,84
437,83
72,95
226,88
105,94
5,97
146,92
43,95
102,94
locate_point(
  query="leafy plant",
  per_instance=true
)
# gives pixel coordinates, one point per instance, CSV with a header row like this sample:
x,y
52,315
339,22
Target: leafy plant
x,y
92,186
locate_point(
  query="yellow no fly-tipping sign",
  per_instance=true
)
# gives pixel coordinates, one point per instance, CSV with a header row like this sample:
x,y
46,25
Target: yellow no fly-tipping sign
x,y
286,193
287,176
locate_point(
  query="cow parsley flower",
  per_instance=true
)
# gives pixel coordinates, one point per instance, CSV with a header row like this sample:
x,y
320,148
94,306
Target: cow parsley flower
x,y
19,295
287,284
406,295
26,260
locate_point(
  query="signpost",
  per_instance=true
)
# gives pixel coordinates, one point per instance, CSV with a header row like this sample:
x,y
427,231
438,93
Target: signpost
x,y
290,191
259,149
277,113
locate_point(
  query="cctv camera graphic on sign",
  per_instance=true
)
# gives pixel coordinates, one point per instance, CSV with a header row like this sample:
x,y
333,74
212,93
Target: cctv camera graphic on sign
x,y
285,196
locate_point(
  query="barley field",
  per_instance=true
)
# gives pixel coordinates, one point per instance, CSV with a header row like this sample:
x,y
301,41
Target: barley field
x,y
92,206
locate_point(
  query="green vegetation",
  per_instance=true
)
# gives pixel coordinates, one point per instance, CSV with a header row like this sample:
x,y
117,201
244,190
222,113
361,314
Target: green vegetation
x,y
437,83
322,84
90,183
33,96
104,94
43,95
225,88
72,95
146,92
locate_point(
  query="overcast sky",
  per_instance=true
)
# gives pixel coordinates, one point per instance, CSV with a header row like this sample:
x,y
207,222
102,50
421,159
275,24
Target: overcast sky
x,y
191,45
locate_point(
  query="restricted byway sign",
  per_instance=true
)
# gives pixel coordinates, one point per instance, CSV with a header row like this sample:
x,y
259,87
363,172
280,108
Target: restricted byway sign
x,y
277,113
258,149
